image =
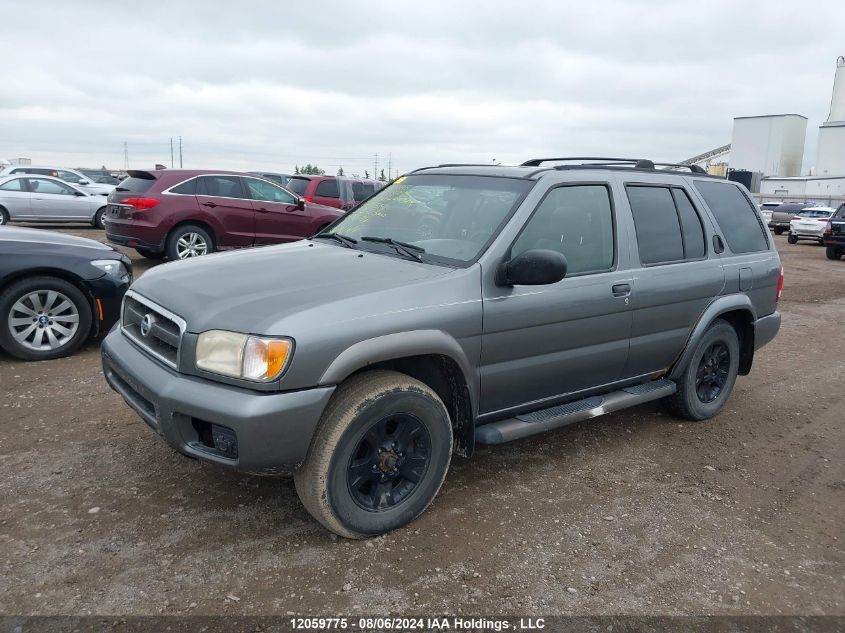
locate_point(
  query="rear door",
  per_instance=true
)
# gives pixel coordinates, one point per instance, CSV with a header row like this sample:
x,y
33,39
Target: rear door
x,y
327,192
15,198
678,273
55,200
837,227
278,218
224,199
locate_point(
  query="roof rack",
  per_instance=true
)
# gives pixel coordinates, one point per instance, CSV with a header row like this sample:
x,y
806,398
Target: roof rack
x,y
596,161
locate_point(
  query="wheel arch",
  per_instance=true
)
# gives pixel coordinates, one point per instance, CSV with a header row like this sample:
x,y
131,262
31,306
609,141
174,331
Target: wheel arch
x,y
736,310
203,224
432,357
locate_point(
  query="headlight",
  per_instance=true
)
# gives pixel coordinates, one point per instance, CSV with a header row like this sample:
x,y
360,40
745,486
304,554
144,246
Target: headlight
x,y
241,356
113,267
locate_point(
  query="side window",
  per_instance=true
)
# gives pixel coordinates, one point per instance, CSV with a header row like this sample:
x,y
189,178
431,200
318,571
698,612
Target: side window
x,y
260,190
187,188
16,184
576,221
328,189
41,185
220,186
656,222
840,212
691,229
735,215
68,176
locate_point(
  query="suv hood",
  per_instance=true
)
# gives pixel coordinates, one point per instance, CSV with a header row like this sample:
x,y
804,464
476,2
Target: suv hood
x,y
253,290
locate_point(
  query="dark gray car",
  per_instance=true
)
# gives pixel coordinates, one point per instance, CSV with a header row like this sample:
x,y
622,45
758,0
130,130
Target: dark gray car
x,y
532,297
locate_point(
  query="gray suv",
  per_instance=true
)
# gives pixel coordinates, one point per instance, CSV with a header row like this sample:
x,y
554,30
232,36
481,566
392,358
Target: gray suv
x,y
532,297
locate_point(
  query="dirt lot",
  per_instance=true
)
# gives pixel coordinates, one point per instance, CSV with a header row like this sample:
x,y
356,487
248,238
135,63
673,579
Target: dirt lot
x,y
632,513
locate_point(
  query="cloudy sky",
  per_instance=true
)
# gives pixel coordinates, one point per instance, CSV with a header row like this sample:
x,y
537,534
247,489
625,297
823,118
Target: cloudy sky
x,y
266,85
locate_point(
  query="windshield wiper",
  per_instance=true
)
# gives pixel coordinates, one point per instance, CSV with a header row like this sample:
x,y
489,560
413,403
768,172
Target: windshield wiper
x,y
348,242
403,248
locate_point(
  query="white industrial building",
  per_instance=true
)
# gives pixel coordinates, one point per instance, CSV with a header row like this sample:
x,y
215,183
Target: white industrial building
x,y
772,145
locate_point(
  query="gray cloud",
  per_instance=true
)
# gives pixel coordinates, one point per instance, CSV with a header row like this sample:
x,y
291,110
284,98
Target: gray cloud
x,y
267,85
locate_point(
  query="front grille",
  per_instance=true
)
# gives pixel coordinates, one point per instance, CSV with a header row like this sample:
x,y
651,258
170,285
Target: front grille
x,y
152,328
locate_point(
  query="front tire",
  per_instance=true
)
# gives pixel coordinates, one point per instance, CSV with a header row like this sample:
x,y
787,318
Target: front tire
x,y
378,457
43,318
792,239
189,241
709,378
832,252
778,230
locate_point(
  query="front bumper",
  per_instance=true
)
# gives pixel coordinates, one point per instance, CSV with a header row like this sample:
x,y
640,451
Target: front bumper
x,y
765,329
273,429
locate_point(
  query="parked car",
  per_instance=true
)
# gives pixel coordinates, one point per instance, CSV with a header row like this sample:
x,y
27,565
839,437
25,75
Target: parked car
x,y
334,191
100,176
834,234
182,213
30,198
362,358
275,176
809,224
56,291
70,176
783,213
766,209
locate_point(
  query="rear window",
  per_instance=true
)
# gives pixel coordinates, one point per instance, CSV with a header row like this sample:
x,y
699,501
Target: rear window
x,y
327,189
738,219
840,212
814,213
298,185
361,190
136,184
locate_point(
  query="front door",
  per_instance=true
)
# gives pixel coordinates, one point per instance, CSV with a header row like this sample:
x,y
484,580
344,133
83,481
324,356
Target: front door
x,y
54,200
541,343
278,217
223,197
15,198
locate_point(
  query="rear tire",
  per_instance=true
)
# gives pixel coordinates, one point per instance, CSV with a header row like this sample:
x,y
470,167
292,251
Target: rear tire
x,y
98,218
792,239
778,230
43,318
4,216
378,457
143,252
832,252
187,241
709,378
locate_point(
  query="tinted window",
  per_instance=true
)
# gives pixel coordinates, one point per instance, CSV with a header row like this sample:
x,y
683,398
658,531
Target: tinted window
x,y
656,223
735,215
260,190
298,185
135,184
576,221
187,188
814,213
361,190
42,185
691,229
29,170
327,189
840,212
16,184
220,186
68,176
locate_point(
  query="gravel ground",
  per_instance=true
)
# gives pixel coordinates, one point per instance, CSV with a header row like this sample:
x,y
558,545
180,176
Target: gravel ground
x,y
632,513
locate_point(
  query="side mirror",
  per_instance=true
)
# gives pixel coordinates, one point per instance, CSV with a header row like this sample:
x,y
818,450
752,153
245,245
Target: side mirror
x,y
300,203
533,268
84,182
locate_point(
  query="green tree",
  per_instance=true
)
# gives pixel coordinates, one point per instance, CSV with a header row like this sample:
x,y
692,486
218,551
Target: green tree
x,y
381,176
340,171
296,169
366,174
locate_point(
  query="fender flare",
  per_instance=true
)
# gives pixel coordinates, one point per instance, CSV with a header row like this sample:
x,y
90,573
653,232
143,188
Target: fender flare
x,y
718,307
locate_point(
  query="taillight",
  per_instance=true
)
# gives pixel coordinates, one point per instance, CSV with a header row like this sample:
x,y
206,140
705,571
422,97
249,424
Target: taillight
x,y
796,217
780,284
141,204
828,229
308,199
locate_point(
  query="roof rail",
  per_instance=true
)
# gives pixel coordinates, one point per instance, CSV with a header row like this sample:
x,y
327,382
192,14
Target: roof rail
x,y
536,162
636,163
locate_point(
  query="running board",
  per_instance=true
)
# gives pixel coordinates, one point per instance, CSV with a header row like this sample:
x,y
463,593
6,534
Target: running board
x,y
527,424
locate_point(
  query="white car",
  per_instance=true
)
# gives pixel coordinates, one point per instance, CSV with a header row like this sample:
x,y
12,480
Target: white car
x,y
71,176
32,198
809,224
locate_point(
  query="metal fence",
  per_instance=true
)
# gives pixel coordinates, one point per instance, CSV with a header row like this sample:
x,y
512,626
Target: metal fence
x,y
822,201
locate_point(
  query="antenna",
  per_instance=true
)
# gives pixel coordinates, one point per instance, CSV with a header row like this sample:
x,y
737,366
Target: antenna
x,y
180,151
171,152
125,155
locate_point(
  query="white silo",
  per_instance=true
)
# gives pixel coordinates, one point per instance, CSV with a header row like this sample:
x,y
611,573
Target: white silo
x,y
830,157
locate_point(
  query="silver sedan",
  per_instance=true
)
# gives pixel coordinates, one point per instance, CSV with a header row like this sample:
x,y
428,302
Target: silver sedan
x,y
31,198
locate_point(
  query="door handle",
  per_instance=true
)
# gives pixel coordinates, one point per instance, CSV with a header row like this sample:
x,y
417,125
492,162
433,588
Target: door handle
x,y
621,290
261,210
209,204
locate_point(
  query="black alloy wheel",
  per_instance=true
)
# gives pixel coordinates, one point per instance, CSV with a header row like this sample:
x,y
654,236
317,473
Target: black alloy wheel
x,y
712,374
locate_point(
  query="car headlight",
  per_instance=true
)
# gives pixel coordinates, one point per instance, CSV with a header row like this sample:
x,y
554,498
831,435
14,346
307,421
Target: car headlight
x,y
242,356
113,267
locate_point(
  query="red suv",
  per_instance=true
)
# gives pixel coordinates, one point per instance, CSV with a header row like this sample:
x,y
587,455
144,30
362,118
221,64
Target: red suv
x,y
182,213
333,191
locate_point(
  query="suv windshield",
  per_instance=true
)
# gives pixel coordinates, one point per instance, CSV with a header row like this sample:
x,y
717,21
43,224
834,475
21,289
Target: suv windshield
x,y
451,217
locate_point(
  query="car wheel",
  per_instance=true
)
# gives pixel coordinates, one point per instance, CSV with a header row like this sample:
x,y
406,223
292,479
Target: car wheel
x,y
792,239
832,252
189,241
4,216
98,218
378,457
143,252
709,378
778,230
43,318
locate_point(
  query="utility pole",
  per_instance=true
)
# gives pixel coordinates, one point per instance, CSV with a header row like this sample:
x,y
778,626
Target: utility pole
x,y
125,155
389,163
171,153
180,151
375,168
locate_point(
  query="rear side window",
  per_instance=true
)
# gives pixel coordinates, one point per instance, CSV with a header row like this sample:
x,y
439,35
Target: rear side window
x,y
41,172
691,230
16,184
656,221
135,184
327,189
735,215
187,188
298,185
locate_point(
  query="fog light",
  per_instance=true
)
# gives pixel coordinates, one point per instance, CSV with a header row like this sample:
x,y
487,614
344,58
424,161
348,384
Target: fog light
x,y
225,440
